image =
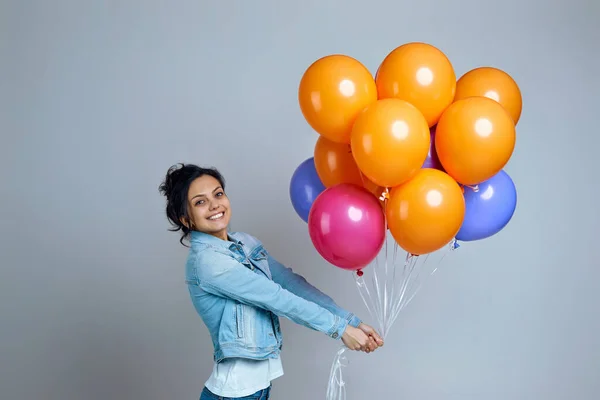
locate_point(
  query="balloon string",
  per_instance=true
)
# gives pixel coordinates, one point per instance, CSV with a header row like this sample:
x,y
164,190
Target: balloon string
x,y
412,282
409,285
381,304
385,286
399,296
386,300
394,284
393,294
451,247
364,292
378,291
336,388
409,267
383,295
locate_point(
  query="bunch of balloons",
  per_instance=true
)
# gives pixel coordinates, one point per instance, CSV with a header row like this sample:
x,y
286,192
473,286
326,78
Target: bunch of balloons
x,y
412,150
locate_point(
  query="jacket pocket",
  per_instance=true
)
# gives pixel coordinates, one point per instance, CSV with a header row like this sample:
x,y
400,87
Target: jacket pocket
x,y
239,320
259,254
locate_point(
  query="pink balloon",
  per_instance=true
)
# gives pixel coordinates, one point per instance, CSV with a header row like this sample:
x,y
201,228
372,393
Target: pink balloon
x,y
347,226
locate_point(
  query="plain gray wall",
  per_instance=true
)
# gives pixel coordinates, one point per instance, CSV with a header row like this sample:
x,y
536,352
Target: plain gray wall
x,y
99,98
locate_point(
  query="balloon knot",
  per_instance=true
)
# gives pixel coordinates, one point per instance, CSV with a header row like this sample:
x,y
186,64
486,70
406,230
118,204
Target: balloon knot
x,y
359,272
455,245
385,195
474,188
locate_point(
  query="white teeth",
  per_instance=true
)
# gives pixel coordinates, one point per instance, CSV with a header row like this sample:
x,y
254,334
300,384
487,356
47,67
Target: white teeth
x,y
217,216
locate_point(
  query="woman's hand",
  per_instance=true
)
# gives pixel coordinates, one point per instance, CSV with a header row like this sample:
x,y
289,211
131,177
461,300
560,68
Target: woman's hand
x,y
364,338
355,339
376,340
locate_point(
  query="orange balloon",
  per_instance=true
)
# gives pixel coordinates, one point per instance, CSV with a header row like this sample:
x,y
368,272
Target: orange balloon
x,y
474,139
334,163
492,83
333,90
420,74
426,212
390,141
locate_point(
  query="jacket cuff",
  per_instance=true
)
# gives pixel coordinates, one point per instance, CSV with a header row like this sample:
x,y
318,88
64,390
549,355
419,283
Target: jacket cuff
x,y
338,329
354,321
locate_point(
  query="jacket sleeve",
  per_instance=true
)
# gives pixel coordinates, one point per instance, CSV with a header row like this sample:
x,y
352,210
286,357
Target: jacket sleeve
x,y
223,276
298,285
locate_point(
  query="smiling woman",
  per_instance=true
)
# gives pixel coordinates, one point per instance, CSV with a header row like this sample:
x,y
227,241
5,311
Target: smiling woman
x,y
192,192
209,207
239,290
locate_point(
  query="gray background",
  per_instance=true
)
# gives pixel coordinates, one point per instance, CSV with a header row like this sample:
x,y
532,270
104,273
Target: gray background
x,y
99,98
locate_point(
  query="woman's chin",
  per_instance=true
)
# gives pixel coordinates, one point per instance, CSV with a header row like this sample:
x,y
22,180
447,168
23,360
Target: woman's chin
x,y
219,226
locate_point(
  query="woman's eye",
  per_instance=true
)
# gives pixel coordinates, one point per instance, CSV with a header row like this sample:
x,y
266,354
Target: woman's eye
x,y
220,194
199,202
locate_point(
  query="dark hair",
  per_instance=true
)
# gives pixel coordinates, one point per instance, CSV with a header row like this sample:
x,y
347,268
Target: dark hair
x,y
175,188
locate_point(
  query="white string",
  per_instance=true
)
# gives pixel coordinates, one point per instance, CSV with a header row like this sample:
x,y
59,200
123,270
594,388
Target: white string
x,y
336,389
402,287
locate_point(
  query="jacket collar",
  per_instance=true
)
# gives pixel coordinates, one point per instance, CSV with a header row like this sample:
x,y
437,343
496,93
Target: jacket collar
x,y
205,238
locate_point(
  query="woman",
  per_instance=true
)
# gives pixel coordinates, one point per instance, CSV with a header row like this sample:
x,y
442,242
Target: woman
x,y
239,290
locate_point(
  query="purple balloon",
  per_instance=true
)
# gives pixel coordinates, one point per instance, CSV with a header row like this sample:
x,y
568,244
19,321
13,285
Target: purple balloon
x,y
489,209
347,226
432,160
305,186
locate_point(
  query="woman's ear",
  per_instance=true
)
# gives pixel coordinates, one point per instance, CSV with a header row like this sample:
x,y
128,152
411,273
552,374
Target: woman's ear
x,y
185,222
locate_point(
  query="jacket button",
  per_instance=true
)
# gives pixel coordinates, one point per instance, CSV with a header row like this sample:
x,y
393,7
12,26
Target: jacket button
x,y
335,335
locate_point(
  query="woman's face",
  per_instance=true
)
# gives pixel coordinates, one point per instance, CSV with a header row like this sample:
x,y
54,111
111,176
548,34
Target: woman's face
x,y
208,207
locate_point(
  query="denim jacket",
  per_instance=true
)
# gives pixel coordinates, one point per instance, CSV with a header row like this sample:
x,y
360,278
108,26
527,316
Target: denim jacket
x,y
239,290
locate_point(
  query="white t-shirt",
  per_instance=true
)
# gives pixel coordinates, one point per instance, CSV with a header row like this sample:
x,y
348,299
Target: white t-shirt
x,y
239,377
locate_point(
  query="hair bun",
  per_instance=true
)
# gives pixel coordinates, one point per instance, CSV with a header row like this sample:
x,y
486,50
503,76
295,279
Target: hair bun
x,y
173,177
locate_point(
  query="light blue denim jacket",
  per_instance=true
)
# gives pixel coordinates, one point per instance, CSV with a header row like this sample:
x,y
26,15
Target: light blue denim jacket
x,y
239,290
